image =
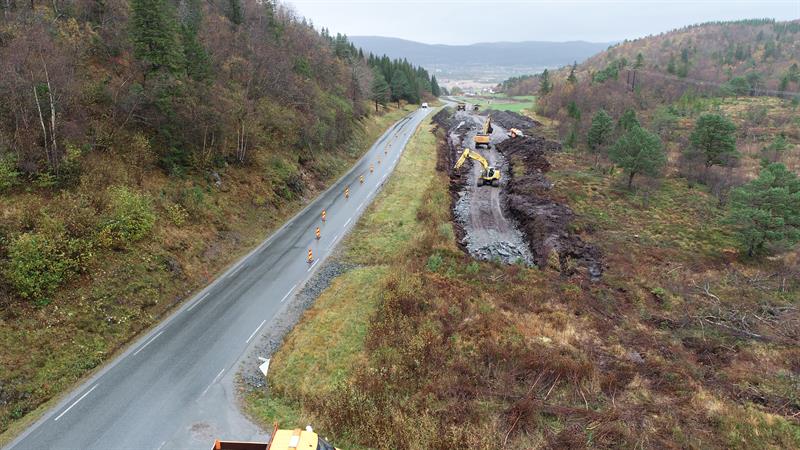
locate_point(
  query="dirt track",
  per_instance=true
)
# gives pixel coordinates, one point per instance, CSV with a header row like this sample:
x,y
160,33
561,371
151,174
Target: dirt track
x,y
489,233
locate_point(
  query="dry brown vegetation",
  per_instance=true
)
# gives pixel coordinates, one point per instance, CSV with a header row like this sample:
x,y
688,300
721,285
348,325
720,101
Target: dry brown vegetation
x,y
679,345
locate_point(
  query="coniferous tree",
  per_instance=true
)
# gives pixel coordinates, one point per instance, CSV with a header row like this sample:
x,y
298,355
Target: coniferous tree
x,y
545,86
639,61
235,12
627,121
435,89
600,132
380,88
639,152
713,140
767,209
572,78
198,65
155,36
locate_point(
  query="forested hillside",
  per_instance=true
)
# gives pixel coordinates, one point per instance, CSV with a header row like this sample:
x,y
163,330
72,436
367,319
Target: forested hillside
x,y
144,145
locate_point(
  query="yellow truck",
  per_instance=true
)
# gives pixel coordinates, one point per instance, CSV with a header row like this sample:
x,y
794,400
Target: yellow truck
x,y
296,439
484,137
461,106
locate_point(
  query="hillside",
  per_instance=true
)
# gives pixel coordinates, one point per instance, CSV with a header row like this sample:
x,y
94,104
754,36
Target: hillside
x,y
742,90
760,51
749,56
143,148
489,58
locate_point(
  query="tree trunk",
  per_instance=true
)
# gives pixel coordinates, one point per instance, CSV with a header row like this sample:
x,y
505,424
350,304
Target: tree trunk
x,y
41,121
630,179
53,147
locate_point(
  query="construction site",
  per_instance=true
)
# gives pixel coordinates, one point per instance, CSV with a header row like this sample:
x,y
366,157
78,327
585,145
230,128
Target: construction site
x,y
511,218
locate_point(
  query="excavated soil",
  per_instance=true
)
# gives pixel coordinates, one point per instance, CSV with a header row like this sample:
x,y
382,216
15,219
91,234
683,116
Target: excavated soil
x,y
485,230
510,119
544,221
518,221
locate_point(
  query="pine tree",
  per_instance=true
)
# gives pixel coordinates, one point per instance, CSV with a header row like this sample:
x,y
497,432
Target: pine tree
x,y
544,83
639,152
435,89
198,64
639,61
235,12
627,121
399,86
572,79
713,139
599,134
767,210
154,33
380,88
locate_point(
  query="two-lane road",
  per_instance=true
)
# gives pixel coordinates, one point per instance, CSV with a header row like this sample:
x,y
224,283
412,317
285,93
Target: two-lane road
x,y
151,396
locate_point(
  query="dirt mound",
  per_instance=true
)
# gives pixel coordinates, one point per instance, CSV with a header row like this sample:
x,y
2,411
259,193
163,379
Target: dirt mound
x,y
509,119
545,222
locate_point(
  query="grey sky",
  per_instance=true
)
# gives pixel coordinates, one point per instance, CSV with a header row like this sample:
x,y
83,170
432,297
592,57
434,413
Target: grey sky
x,y
469,21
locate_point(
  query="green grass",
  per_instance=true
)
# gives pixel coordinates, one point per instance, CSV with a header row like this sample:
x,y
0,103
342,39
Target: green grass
x,y
321,353
326,346
499,102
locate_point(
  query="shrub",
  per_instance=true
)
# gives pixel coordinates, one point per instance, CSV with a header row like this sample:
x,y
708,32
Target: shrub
x,y
129,219
8,173
36,266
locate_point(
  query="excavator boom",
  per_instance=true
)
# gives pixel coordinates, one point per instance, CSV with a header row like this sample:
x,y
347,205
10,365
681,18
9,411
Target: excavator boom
x,y
489,175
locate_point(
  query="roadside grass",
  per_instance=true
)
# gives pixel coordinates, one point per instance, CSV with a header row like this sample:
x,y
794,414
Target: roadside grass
x,y
46,350
461,353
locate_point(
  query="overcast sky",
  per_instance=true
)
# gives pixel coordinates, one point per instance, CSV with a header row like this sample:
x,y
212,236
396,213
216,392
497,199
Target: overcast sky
x,y
469,21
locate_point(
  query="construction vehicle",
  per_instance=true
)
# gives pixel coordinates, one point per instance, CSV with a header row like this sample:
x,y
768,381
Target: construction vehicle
x,y
515,132
461,106
484,136
296,439
489,175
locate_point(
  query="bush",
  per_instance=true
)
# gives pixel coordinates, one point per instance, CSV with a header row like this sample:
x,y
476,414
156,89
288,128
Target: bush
x,y
36,266
130,217
8,173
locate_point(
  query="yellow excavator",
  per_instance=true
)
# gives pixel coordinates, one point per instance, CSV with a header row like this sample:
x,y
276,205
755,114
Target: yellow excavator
x,y
484,136
489,175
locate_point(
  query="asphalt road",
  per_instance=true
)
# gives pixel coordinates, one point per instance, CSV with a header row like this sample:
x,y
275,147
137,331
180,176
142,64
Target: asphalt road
x,y
151,396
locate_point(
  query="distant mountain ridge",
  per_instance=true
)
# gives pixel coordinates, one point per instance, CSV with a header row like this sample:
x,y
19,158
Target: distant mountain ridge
x,y
509,54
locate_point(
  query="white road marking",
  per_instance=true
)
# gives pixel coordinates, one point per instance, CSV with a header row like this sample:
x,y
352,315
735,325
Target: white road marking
x,y
212,383
255,331
331,244
348,222
235,271
162,445
197,302
76,402
148,343
312,266
360,205
287,294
